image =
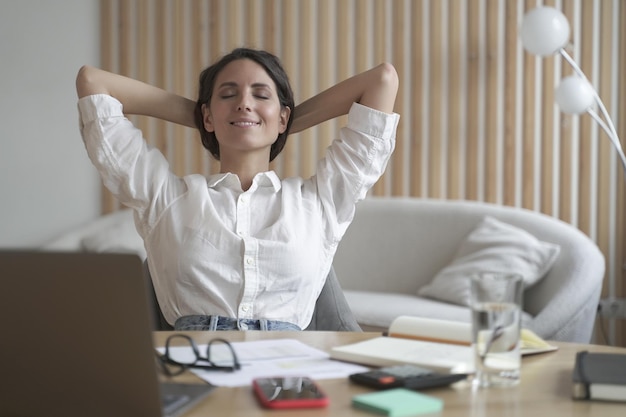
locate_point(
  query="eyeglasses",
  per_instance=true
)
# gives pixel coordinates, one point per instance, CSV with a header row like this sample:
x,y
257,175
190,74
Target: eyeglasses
x,y
182,353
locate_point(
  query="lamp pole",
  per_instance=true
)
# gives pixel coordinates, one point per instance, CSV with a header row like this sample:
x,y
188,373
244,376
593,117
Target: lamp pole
x,y
607,123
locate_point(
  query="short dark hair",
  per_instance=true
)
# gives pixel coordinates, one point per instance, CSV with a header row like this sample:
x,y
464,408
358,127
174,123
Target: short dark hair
x,y
274,69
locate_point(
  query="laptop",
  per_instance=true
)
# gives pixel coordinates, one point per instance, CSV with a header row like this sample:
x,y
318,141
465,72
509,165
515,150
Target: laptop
x,y
76,339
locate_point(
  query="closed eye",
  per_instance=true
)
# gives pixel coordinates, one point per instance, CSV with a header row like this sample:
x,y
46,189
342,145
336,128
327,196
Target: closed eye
x,y
258,96
259,91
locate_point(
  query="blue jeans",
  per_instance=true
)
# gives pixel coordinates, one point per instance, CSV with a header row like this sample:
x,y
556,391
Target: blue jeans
x,y
228,323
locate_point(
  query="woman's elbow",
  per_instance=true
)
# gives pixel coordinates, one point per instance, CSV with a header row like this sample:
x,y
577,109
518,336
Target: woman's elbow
x,y
388,76
86,81
383,88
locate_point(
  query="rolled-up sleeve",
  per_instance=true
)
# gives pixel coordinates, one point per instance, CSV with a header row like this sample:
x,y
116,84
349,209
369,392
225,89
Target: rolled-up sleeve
x,y
138,175
354,162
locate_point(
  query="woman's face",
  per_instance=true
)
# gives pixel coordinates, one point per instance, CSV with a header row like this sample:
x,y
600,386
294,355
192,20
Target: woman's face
x,y
244,111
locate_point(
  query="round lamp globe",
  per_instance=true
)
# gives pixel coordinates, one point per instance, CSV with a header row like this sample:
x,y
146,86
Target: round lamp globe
x,y
544,31
574,95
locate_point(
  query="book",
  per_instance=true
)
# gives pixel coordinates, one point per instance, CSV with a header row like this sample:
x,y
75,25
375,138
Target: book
x,y
599,376
441,345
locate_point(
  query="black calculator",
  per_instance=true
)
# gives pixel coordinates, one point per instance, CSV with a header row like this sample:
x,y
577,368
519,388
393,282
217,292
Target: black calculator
x,y
405,376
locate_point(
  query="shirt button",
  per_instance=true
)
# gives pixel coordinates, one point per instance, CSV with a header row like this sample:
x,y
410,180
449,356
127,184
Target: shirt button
x,y
243,200
250,261
245,308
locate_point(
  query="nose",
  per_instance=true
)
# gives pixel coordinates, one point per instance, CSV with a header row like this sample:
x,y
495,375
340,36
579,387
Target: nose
x,y
244,103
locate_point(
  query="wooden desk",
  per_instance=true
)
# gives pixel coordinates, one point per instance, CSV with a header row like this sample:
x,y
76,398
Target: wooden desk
x,y
544,390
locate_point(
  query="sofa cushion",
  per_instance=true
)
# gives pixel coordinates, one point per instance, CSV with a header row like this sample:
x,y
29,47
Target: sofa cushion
x,y
378,309
492,246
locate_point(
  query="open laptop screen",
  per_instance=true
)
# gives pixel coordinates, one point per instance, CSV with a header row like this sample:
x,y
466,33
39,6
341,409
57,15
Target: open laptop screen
x,y
76,336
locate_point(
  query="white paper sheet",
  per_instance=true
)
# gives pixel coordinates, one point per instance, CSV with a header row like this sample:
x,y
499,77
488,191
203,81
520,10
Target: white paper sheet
x,y
266,358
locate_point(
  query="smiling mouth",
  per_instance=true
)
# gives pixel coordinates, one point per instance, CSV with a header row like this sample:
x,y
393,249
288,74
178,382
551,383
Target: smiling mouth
x,y
245,124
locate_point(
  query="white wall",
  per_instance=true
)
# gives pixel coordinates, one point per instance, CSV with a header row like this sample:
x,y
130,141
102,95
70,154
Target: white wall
x,y
47,183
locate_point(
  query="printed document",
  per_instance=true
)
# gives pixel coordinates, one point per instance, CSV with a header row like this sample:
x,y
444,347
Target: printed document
x,y
267,358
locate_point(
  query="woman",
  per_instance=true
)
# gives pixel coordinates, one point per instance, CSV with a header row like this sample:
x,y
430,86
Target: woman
x,y
241,249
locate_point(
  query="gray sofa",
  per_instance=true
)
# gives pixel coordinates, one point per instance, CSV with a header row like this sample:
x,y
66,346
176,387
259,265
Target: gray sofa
x,y
395,246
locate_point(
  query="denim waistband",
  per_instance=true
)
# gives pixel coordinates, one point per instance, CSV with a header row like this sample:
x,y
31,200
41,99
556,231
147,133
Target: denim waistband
x,y
212,323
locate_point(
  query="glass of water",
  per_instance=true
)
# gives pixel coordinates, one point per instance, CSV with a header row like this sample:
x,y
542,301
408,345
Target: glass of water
x,y
496,302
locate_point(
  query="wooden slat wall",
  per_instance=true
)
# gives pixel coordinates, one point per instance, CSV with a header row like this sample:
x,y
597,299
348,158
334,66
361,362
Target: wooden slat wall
x,y
478,122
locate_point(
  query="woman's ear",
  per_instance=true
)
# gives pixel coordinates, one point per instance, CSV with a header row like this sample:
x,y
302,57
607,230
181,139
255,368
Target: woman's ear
x,y
284,118
207,120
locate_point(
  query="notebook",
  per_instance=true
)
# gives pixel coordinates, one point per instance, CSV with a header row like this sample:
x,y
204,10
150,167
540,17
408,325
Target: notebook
x,y
76,339
599,376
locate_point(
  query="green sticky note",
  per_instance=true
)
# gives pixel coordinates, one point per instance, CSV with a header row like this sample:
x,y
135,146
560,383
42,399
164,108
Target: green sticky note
x,y
398,402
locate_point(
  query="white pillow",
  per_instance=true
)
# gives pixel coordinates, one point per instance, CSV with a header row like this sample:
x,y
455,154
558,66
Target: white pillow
x,y
116,233
492,246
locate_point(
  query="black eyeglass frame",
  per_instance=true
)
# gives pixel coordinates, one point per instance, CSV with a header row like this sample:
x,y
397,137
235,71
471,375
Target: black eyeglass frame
x,y
208,364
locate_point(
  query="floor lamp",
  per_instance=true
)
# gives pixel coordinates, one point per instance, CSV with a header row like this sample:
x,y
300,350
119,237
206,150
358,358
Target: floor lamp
x,y
545,31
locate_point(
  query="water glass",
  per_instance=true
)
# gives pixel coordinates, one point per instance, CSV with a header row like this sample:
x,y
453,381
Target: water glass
x,y
496,303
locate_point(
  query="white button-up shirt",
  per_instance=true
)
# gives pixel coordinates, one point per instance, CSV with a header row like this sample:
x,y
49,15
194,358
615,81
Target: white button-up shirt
x,y
214,249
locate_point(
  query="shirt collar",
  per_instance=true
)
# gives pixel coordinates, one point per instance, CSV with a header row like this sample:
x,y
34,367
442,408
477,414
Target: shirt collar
x,y
268,179
262,179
